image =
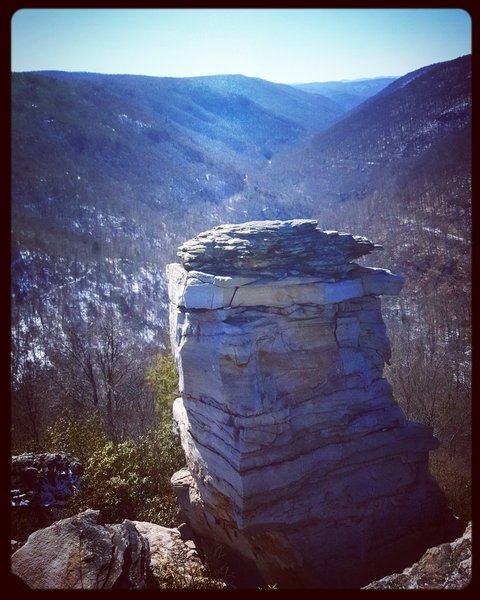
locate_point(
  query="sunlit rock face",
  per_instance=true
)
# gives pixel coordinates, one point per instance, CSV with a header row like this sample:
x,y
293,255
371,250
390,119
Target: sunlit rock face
x,y
299,461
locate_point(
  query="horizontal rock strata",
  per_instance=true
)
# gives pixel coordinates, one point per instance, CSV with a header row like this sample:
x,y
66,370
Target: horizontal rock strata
x,y
258,246
298,459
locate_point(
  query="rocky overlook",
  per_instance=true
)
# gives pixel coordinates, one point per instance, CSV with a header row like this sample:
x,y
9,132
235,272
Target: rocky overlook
x,y
299,461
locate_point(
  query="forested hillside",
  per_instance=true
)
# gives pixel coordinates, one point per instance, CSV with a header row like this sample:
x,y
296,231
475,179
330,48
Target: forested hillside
x,y
112,173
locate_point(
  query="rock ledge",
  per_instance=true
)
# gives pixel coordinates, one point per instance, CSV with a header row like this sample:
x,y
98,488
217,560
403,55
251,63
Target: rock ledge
x,y
295,246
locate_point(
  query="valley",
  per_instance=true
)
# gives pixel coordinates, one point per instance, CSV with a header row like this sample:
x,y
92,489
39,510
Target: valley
x,y
111,173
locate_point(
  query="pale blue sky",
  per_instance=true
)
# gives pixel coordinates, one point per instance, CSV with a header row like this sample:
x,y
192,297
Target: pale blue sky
x,y
281,45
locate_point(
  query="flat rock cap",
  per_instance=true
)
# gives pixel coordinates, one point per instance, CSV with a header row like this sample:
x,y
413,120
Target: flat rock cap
x,y
294,246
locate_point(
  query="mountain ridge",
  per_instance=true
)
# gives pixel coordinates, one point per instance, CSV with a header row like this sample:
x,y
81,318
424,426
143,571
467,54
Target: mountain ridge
x,y
398,123
255,89
102,161
348,93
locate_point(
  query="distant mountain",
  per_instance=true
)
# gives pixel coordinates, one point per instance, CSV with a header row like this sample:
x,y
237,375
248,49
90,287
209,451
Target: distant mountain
x,y
172,139
313,113
400,82
396,126
348,93
169,141
243,113
111,172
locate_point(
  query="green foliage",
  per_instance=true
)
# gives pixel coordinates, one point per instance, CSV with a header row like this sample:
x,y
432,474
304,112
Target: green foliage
x,y
112,480
131,479
172,578
163,379
80,436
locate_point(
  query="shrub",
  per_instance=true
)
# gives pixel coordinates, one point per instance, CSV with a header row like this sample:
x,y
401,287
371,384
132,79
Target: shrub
x,y
163,379
130,479
172,578
79,436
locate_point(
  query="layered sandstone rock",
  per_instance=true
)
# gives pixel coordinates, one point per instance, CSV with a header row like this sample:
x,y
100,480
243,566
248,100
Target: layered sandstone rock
x,y
298,459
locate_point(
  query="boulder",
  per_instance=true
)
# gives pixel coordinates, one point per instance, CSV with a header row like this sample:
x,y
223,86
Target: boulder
x,y
82,553
168,549
444,567
44,479
299,462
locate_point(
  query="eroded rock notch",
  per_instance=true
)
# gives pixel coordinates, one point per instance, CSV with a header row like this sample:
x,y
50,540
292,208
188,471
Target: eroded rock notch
x,y
299,461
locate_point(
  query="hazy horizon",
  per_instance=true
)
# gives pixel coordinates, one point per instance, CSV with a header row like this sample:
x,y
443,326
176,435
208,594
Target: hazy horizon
x,y
214,75
289,46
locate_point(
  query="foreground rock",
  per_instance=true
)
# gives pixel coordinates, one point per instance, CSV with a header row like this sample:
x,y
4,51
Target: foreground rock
x,y
44,479
169,551
298,459
82,553
445,567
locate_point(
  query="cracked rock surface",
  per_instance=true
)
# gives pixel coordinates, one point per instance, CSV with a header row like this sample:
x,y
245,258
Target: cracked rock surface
x,y
299,461
271,246
167,547
82,553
